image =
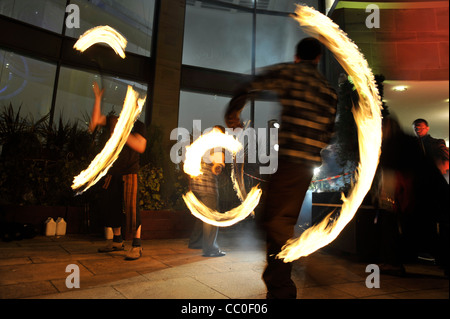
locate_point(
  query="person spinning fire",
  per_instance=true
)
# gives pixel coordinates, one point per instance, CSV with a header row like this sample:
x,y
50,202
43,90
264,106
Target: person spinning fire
x,y
120,185
308,115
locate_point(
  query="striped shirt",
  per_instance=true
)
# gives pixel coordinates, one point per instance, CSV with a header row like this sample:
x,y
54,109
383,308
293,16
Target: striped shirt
x,y
206,183
308,108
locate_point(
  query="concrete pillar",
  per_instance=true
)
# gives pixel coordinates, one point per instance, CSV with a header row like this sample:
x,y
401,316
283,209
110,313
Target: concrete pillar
x,y
168,60
166,91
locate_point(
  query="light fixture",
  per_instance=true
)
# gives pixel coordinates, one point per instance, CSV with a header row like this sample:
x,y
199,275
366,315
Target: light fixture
x,y
400,88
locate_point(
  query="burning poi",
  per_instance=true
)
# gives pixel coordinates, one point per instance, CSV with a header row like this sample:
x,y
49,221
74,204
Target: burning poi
x,y
367,115
131,110
102,34
192,166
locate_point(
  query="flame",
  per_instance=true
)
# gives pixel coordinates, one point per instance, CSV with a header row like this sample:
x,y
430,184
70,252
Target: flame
x,y
195,152
102,34
368,120
192,166
213,217
131,110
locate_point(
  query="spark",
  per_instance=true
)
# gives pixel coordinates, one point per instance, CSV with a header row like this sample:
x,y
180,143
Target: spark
x,y
100,165
192,166
102,34
367,116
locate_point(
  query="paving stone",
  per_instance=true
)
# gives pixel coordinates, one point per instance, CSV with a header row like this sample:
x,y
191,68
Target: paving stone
x,y
176,288
15,274
237,284
27,289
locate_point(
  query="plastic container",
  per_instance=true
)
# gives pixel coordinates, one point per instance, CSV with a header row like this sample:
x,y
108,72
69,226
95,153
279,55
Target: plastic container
x,y
61,226
109,233
50,227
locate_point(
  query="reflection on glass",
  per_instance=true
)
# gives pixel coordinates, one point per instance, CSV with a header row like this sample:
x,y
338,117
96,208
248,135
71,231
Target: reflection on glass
x,y
75,97
218,39
132,18
47,14
26,83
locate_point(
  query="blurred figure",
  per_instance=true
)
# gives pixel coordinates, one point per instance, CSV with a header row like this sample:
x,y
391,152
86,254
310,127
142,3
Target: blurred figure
x,y
395,187
204,235
414,197
432,147
307,122
120,186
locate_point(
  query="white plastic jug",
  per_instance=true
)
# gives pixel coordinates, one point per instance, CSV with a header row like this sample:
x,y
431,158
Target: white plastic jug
x,y
61,226
109,233
50,227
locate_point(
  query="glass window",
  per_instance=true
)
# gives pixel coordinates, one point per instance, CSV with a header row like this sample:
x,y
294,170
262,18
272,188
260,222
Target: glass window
x,y
205,107
47,14
133,19
75,97
266,111
208,108
270,5
26,83
218,38
276,39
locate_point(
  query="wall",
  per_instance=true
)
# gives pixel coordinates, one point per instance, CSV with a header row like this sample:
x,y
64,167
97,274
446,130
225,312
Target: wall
x,y
411,43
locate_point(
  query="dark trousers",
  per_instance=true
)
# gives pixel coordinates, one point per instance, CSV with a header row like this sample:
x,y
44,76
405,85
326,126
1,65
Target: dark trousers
x,y
119,201
286,192
204,235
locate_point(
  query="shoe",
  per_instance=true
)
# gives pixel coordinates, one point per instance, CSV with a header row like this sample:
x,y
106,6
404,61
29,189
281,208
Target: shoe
x,y
134,253
111,246
218,253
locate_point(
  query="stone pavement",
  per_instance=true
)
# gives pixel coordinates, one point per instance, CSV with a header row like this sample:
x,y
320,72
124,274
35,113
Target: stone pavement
x,y
36,268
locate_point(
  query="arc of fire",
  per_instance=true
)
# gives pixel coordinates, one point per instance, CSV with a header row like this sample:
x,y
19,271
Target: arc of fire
x,y
192,166
131,110
102,34
367,116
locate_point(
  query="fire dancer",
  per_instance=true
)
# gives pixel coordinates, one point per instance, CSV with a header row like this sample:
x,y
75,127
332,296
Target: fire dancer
x,y
204,235
120,186
308,114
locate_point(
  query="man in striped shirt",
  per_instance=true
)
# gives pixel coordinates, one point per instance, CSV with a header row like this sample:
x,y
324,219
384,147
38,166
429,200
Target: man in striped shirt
x,y
307,121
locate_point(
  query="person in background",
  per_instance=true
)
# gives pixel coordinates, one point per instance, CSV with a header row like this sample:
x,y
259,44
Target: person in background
x,y
120,185
204,235
434,195
434,148
307,123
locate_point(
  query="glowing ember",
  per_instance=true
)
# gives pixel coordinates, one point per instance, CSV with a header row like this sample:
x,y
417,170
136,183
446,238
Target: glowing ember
x,y
131,110
192,166
102,34
368,120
